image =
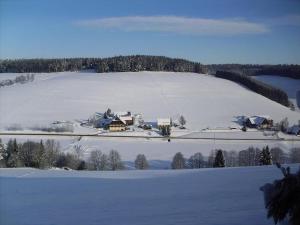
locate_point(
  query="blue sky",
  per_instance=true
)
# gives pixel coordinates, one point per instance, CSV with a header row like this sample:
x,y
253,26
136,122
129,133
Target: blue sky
x,y
208,31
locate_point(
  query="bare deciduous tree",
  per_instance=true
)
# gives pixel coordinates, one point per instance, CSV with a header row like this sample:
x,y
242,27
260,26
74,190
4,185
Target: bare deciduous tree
x,y
114,160
78,149
96,159
178,161
141,162
196,161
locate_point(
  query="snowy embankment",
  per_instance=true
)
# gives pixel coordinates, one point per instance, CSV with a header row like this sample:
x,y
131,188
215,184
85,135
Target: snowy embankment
x,y
204,196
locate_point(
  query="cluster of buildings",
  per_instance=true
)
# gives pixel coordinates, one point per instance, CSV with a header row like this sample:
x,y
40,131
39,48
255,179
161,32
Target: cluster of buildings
x,y
120,121
265,122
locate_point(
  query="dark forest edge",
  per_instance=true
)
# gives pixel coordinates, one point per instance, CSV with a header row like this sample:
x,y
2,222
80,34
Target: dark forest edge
x,y
259,87
134,63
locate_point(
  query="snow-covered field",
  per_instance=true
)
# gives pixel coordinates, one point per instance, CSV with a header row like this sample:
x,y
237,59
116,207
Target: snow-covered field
x,y
205,101
289,85
187,197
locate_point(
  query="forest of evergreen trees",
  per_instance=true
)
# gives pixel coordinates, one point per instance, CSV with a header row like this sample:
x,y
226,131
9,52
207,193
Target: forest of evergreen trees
x,y
100,65
292,71
141,63
259,87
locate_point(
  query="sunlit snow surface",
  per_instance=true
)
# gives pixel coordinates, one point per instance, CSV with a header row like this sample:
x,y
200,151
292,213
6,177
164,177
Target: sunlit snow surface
x,y
205,196
204,100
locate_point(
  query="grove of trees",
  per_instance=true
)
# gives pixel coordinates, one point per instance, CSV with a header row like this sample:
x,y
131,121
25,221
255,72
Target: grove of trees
x,y
47,154
259,87
131,63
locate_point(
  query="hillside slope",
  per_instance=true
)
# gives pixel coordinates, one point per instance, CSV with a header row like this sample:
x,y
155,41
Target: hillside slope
x,y
204,100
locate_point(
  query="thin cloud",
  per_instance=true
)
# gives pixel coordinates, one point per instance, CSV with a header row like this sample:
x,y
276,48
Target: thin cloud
x,y
175,24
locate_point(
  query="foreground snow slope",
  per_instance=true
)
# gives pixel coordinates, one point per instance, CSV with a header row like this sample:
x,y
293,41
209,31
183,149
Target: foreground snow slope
x,y
204,100
206,196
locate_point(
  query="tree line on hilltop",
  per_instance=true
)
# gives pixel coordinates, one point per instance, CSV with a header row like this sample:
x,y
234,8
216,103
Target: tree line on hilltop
x,y
284,70
135,63
132,63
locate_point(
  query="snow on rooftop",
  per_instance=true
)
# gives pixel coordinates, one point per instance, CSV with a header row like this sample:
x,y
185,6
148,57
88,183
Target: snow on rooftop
x,y
258,120
122,113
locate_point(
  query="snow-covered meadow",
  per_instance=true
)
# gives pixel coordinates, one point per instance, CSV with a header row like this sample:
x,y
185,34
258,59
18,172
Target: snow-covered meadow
x,y
204,100
204,196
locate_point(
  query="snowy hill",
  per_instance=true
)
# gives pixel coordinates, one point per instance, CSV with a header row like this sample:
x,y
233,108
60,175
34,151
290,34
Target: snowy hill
x,y
205,101
205,196
289,85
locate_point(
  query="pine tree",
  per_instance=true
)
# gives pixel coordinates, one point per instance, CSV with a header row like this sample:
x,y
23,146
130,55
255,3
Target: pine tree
x,y
11,156
178,161
219,160
265,156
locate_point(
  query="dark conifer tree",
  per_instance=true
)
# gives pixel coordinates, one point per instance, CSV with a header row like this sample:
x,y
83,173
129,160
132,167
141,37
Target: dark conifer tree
x,y
219,160
265,156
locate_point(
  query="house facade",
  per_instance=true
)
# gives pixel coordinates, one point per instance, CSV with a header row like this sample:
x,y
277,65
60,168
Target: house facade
x,y
117,125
